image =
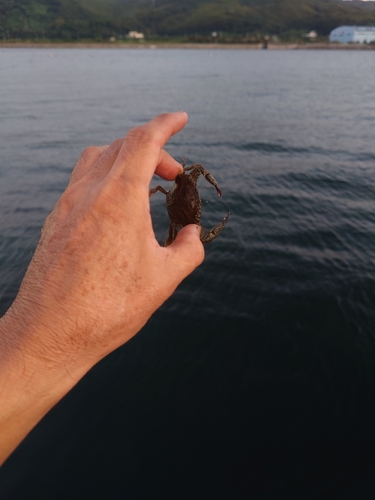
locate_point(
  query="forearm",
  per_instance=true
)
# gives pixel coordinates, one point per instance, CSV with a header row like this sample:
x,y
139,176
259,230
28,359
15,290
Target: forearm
x,y
29,386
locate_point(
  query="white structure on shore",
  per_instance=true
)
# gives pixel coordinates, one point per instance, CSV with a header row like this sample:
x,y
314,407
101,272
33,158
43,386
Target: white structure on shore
x,y
135,35
353,34
312,35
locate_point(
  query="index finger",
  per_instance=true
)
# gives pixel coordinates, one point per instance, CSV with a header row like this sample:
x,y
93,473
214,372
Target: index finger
x,y
140,153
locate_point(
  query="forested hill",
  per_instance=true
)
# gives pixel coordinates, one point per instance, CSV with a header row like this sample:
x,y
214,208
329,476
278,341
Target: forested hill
x,y
100,19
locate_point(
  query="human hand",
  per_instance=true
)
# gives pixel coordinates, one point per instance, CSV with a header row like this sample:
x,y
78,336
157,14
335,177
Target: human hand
x,y
98,273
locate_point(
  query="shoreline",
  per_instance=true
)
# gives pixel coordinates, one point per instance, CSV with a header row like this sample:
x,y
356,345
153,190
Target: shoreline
x,y
210,46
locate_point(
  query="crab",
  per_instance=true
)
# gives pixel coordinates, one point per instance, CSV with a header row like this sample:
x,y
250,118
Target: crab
x,y
184,204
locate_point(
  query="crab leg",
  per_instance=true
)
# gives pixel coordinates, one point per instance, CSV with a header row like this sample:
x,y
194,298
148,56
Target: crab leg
x,y
172,233
207,236
158,188
197,170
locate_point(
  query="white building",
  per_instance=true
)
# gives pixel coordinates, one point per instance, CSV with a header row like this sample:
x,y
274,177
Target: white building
x,y
136,35
353,34
312,35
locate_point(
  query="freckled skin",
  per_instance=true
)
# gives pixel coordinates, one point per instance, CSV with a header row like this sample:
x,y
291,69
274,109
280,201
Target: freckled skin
x,y
184,204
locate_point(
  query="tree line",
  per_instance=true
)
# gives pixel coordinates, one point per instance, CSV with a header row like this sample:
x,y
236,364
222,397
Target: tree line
x,y
101,19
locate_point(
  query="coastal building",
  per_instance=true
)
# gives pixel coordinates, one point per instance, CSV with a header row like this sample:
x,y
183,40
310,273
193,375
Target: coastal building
x,y
135,35
353,34
312,35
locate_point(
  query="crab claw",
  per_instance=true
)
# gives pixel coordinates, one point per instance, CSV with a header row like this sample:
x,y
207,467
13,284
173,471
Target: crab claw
x,y
207,236
224,221
218,192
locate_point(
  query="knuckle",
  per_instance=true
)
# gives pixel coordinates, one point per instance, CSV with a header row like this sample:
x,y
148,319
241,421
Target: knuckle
x,y
89,152
86,156
67,200
117,143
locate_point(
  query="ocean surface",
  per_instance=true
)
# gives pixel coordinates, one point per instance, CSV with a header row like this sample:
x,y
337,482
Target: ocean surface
x,y
256,380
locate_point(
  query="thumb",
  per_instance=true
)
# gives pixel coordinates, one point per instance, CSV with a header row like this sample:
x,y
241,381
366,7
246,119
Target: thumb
x,y
187,251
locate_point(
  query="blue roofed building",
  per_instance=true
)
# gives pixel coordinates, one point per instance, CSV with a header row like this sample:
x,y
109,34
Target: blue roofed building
x,y
353,34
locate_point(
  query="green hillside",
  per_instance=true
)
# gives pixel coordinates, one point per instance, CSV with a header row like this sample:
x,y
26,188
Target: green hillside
x,y
100,19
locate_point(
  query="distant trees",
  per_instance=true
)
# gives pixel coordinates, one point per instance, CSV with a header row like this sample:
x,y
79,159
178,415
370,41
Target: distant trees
x,y
250,16
80,19
63,19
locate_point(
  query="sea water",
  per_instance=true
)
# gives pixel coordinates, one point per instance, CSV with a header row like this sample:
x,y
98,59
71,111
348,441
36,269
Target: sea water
x,y
256,379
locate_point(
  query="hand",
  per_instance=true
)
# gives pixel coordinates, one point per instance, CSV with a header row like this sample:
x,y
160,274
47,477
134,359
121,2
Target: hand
x,y
98,273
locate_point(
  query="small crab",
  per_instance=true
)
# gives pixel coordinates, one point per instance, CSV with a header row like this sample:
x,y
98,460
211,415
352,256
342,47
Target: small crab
x,y
184,204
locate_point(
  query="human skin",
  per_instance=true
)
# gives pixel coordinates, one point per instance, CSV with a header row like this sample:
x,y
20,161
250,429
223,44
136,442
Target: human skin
x,y
96,277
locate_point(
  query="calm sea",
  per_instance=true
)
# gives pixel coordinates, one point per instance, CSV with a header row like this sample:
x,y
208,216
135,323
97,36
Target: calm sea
x,y
256,380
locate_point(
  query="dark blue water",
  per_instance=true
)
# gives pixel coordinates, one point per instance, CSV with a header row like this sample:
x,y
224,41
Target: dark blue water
x,y
257,378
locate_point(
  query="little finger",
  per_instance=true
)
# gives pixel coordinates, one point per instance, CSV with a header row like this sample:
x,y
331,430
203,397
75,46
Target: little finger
x,y
88,157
